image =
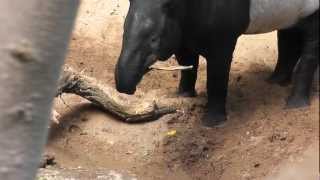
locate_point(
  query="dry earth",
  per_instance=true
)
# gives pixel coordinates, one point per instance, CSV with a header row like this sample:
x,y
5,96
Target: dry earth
x,y
260,136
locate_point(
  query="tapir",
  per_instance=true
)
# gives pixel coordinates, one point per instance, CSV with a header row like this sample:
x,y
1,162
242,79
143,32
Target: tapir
x,y
157,29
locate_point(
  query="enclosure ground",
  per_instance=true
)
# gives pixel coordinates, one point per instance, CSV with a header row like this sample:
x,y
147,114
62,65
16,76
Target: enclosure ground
x,y
260,137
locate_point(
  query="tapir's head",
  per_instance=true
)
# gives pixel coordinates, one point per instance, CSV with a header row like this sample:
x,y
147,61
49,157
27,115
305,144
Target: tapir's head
x,y
151,33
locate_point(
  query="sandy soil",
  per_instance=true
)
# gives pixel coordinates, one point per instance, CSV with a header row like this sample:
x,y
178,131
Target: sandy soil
x,y
259,136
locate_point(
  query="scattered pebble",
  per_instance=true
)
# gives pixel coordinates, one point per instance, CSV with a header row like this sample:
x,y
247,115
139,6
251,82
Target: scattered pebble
x,y
172,133
257,165
47,160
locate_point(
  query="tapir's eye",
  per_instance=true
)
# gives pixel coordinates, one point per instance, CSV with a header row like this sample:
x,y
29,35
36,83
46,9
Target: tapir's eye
x,y
154,38
154,42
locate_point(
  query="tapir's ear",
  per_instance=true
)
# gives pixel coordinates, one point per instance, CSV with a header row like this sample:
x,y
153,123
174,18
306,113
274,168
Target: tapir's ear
x,y
170,7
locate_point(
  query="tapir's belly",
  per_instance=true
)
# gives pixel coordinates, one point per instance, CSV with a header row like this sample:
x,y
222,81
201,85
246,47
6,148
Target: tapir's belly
x,y
269,15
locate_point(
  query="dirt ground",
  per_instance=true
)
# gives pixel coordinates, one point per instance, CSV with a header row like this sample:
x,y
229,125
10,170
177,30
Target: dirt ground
x,y
260,134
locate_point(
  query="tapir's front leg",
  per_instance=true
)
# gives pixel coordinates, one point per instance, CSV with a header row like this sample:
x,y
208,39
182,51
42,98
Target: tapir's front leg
x,y
218,68
188,77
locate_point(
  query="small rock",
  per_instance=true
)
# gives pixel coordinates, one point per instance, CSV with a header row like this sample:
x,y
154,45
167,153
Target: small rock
x,y
129,152
174,75
83,133
73,128
47,160
111,142
257,165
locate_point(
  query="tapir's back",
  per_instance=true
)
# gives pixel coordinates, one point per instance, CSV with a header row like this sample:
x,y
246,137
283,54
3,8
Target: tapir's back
x,y
269,15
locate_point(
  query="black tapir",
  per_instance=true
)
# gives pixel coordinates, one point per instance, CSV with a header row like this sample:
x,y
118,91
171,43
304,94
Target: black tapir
x,y
157,29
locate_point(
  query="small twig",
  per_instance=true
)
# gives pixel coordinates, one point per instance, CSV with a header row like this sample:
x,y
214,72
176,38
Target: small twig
x,y
171,68
64,102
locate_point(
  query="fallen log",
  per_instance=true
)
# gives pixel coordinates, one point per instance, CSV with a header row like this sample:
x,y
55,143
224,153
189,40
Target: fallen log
x,y
127,109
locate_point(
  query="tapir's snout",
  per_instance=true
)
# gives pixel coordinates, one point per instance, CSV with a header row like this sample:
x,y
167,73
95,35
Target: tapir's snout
x,y
125,90
130,70
126,82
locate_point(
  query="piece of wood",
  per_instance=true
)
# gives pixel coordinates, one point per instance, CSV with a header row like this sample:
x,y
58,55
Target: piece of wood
x,y
132,110
170,68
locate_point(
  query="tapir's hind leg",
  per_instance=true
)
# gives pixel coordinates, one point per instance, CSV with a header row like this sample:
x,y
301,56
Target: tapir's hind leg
x,y
309,61
289,51
188,77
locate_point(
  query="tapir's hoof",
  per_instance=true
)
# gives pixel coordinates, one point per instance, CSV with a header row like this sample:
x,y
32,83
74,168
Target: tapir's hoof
x,y
212,120
297,102
281,80
191,93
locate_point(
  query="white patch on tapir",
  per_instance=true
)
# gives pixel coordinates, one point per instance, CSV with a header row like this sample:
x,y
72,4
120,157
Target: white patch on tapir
x,y
269,15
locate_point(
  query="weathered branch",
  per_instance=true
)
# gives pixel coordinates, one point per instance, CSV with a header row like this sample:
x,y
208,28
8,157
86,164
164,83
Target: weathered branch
x,y
128,109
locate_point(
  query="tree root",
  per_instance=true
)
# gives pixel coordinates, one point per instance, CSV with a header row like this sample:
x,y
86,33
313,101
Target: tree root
x,y
126,108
